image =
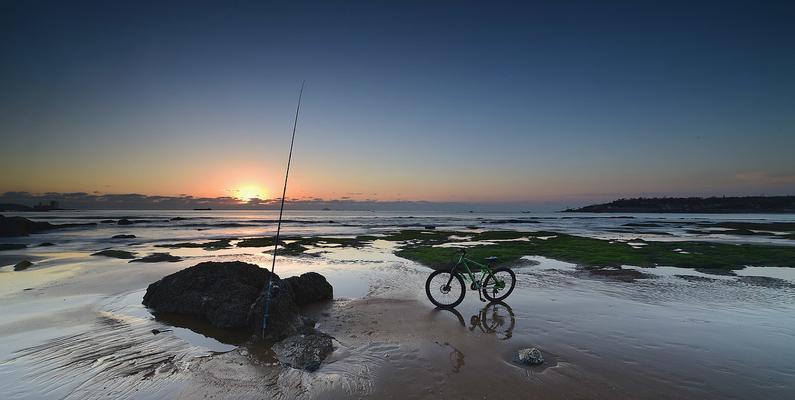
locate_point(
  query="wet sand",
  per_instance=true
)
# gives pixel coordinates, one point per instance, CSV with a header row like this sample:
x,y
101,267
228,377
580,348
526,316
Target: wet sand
x,y
74,328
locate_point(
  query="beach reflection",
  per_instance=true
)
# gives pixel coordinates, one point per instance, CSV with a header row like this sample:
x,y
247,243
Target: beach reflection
x,y
495,318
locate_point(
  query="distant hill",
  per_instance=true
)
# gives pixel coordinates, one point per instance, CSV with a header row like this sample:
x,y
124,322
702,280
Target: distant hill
x,y
750,204
52,205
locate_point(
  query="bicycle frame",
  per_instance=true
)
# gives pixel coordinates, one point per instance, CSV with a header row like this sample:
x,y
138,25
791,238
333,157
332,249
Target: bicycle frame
x,y
485,270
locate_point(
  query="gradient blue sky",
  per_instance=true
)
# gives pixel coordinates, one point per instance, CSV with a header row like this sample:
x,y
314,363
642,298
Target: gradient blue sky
x,y
559,103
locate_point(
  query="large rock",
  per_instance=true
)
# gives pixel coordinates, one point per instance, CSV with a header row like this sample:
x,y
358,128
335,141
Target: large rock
x,y
284,316
304,351
19,226
233,295
310,287
220,292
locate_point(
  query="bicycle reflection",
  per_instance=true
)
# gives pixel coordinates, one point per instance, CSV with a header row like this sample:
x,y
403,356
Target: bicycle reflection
x,y
495,318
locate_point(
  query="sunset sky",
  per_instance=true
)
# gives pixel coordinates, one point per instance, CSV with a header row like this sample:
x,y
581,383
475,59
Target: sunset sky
x,y
487,102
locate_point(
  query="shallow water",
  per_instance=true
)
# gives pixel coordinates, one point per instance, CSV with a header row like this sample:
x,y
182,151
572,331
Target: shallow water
x,y
73,325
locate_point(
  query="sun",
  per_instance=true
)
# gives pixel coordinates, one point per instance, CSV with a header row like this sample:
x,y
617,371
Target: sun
x,y
250,192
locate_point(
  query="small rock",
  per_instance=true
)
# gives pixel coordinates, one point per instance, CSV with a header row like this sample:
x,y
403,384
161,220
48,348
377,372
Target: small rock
x,y
530,356
123,237
124,221
22,265
305,352
115,254
158,257
46,244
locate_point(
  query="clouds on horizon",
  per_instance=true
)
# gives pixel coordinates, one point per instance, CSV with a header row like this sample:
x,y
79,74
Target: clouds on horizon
x,y
99,201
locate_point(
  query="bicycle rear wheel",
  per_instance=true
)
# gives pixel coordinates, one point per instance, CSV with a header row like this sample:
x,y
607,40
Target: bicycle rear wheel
x,y
499,284
445,289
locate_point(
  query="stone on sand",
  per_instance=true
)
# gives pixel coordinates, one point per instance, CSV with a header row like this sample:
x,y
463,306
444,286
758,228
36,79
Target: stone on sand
x,y
304,351
158,257
530,356
115,254
23,265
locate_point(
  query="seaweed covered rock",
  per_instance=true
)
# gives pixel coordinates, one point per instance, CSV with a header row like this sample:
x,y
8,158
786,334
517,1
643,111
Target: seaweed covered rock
x,y
284,316
220,292
310,287
233,295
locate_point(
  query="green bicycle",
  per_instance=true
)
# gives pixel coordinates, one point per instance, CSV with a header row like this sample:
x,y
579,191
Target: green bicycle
x,y
446,288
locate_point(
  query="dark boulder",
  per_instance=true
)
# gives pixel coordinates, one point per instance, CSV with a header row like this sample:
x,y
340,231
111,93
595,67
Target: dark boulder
x,y
19,226
115,254
23,265
46,244
220,292
304,351
123,237
284,317
310,287
233,295
124,221
158,257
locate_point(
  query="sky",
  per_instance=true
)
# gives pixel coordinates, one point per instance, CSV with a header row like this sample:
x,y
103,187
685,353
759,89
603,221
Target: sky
x,y
545,104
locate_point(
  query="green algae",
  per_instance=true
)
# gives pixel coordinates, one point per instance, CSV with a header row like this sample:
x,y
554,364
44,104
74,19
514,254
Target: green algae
x,y
603,253
509,247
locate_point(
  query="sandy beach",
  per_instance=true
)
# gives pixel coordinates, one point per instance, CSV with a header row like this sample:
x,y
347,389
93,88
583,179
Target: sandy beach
x,y
75,328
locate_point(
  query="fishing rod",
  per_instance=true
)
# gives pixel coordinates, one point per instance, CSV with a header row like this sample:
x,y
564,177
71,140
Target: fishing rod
x,y
281,212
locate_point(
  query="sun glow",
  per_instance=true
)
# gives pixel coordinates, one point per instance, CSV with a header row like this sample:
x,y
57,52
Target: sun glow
x,y
250,192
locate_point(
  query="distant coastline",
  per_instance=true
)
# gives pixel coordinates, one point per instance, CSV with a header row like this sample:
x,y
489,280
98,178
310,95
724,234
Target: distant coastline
x,y
713,205
40,207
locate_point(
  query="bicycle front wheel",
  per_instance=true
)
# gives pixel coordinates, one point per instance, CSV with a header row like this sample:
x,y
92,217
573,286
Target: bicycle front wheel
x,y
445,289
499,284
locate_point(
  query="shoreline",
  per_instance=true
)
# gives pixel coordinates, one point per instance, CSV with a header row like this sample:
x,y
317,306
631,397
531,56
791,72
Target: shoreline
x,y
652,337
